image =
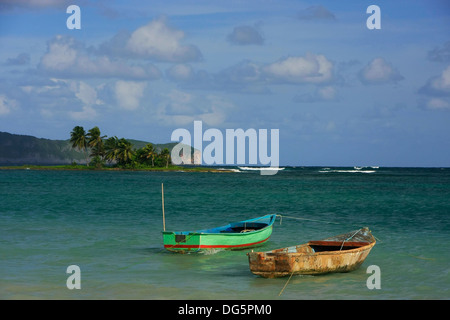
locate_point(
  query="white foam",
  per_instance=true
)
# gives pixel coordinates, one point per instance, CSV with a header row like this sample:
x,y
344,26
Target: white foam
x,y
348,171
260,168
229,169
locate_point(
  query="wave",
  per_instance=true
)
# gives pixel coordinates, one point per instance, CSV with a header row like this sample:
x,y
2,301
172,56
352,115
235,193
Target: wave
x,y
260,168
326,170
229,169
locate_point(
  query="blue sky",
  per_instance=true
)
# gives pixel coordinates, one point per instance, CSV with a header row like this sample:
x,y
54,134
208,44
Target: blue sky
x,y
339,93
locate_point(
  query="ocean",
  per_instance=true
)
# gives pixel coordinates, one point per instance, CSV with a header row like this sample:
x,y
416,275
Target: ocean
x,y
109,223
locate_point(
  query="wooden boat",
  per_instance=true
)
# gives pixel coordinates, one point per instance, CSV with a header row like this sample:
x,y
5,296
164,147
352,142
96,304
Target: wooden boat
x,y
342,253
237,235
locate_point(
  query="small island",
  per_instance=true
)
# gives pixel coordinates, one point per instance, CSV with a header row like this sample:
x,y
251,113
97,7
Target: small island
x,y
115,154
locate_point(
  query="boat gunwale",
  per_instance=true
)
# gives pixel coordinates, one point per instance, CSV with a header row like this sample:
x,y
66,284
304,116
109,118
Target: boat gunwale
x,y
272,218
298,254
285,250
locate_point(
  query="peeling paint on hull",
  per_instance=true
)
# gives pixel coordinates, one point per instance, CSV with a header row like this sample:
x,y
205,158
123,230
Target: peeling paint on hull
x,y
337,254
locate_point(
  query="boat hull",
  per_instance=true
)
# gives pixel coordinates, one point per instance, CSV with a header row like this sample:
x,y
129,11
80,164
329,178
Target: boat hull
x,y
221,238
333,256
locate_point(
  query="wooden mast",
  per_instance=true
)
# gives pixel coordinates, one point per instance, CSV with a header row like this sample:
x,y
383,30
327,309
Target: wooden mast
x,y
164,218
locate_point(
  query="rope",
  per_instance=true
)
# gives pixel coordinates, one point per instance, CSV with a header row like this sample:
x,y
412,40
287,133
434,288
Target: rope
x,y
297,218
286,283
349,238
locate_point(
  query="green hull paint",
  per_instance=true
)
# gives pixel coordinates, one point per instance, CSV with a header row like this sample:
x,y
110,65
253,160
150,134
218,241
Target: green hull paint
x,y
234,236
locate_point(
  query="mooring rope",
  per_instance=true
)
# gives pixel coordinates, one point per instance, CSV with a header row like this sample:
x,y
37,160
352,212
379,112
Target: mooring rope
x,y
285,285
349,238
298,218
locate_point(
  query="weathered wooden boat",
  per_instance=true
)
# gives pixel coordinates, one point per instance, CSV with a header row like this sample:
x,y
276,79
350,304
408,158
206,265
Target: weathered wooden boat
x,y
342,253
237,235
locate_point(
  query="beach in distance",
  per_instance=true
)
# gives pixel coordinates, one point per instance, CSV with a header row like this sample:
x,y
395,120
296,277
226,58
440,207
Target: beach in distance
x,y
109,224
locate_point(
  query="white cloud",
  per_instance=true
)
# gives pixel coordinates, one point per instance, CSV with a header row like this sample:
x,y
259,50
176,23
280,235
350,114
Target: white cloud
x,y
88,96
440,54
245,35
438,104
20,60
441,84
181,108
438,90
327,93
316,13
156,40
33,4
129,94
61,54
77,99
65,57
180,72
87,113
85,93
379,71
7,105
311,68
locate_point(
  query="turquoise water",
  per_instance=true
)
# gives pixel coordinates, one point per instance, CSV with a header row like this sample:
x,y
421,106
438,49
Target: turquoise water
x,y
110,223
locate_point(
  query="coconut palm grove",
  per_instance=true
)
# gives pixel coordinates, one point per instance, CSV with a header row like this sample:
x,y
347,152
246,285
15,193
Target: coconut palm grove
x,y
101,151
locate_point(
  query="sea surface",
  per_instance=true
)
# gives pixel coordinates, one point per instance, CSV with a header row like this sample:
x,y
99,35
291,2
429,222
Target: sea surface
x,y
109,225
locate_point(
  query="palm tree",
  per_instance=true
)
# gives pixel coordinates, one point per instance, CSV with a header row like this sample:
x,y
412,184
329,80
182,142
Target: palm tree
x,y
125,152
95,141
149,152
165,154
111,149
79,140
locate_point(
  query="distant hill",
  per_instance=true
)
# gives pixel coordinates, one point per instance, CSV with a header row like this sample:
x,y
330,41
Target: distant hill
x,y
22,149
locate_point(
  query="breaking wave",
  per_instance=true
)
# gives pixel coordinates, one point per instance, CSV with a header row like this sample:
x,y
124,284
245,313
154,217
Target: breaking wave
x,y
260,168
354,170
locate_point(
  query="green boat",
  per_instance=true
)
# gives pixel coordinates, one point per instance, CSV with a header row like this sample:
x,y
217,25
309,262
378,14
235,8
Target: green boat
x,y
233,236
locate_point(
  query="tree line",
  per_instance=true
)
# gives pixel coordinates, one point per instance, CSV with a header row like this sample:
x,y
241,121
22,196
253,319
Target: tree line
x,y
100,150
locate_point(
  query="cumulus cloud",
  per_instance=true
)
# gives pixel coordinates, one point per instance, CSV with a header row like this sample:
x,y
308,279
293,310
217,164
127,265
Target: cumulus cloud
x,y
438,104
156,41
7,105
243,77
439,54
64,97
129,94
66,57
255,78
438,91
318,12
246,35
102,6
86,93
180,72
86,113
182,108
311,68
33,4
379,71
20,60
327,93
88,97
439,85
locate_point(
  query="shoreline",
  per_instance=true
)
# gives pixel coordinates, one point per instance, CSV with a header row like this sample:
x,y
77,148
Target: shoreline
x,y
86,168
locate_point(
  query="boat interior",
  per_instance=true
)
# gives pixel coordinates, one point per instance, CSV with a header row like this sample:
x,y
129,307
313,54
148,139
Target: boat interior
x,y
322,246
243,227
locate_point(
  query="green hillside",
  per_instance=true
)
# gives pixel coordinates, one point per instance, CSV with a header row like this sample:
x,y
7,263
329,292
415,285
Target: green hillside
x,y
22,149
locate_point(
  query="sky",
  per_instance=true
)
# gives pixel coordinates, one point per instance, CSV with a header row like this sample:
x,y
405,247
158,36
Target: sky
x,y
340,93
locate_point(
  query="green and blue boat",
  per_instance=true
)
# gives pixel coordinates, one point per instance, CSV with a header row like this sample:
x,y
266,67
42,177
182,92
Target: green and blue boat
x,y
233,236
